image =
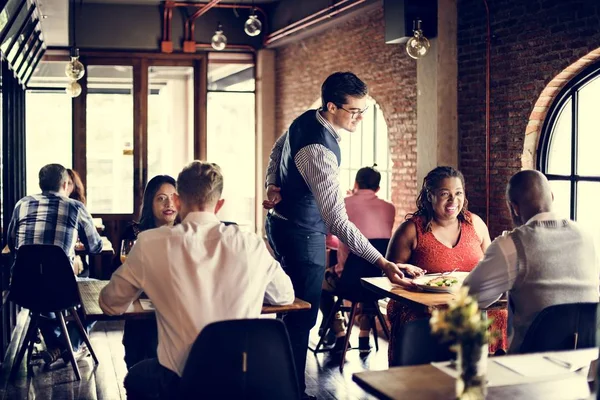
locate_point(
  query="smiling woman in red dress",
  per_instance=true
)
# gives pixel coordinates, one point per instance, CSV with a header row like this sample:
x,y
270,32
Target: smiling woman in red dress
x,y
442,235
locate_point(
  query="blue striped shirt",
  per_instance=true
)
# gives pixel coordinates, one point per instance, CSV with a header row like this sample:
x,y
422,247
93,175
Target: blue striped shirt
x,y
50,218
319,168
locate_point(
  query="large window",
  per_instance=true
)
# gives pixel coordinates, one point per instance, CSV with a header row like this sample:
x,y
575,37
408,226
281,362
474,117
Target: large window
x,y
231,137
109,129
568,151
49,137
170,119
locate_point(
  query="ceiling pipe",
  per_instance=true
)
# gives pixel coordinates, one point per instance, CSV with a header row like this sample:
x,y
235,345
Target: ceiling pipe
x,y
299,22
189,23
189,44
244,47
309,21
193,18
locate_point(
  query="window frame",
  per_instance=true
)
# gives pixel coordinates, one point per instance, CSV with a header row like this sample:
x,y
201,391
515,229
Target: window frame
x,y
384,170
569,92
140,62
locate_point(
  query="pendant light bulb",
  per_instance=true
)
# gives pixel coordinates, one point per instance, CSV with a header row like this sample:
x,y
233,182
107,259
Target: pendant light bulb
x,y
219,40
253,26
74,70
73,89
418,45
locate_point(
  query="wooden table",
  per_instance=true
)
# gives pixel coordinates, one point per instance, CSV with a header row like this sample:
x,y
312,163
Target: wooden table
x,y
427,382
89,291
383,286
101,263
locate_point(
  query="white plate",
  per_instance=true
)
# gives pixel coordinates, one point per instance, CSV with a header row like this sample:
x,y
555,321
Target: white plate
x,y
422,282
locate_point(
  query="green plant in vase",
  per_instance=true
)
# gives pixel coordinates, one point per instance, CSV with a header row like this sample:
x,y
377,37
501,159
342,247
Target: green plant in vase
x,y
463,324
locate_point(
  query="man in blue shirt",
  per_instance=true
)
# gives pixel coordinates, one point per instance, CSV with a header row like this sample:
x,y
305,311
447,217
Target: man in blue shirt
x,y
53,218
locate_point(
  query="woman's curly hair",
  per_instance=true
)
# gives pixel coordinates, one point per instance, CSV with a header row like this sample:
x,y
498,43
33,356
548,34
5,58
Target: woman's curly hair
x,y
431,183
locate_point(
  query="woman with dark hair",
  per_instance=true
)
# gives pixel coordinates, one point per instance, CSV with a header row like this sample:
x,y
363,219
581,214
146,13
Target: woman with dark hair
x,y
441,236
140,338
75,189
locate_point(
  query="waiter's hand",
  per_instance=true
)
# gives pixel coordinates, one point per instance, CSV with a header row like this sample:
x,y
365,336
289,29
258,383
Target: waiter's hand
x,y
412,270
395,274
273,197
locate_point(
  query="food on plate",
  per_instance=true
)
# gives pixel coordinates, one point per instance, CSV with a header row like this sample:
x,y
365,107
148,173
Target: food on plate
x,y
442,281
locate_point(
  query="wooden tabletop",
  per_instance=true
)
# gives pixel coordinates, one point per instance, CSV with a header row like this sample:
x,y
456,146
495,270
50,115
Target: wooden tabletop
x,y
89,291
383,286
426,382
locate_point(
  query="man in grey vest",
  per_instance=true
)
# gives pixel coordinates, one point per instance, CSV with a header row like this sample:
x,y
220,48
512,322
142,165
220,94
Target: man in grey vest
x,y
544,261
303,194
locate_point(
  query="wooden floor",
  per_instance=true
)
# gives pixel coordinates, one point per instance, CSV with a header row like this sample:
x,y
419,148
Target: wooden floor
x,y
105,381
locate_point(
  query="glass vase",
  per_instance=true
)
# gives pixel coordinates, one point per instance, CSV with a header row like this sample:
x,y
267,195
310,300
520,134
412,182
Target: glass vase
x,y
471,362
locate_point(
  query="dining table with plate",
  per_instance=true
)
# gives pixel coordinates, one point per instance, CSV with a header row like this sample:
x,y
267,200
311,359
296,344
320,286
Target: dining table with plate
x,y
426,293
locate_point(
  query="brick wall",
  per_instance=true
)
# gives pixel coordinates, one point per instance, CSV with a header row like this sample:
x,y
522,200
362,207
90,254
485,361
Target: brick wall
x,y
533,41
357,45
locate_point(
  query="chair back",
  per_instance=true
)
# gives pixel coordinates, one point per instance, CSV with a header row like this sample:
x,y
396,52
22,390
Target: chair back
x,y
415,345
43,280
562,327
241,359
349,286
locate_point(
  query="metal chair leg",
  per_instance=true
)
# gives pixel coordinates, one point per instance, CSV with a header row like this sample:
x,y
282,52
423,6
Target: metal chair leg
x,y
32,338
348,332
374,328
327,326
63,328
28,337
83,332
384,326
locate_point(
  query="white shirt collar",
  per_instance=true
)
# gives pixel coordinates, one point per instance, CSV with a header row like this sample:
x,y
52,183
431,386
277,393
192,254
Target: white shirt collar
x,y
328,126
201,217
543,216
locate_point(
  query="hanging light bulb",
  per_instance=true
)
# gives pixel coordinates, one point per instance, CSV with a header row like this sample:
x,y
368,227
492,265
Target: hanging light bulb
x,y
418,45
73,89
219,40
74,69
253,26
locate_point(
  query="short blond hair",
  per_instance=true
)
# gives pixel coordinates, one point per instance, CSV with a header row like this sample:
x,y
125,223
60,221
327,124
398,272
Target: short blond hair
x,y
200,183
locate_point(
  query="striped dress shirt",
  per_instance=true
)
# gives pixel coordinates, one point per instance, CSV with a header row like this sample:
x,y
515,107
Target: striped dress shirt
x,y
50,218
319,168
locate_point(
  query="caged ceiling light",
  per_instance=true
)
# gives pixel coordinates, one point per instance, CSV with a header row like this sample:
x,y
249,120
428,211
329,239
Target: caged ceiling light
x,y
73,89
418,45
253,26
219,40
74,70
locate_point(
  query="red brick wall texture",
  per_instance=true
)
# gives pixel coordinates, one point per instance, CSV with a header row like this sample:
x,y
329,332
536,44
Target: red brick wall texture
x,y
533,41
358,46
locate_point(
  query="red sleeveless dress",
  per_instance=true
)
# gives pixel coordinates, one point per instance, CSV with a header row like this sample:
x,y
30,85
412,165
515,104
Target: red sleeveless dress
x,y
435,257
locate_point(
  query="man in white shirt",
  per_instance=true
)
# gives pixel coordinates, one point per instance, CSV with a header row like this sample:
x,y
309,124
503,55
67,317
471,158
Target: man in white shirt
x,y
195,273
546,260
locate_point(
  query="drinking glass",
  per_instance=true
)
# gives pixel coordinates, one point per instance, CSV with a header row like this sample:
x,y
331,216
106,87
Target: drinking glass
x,y
126,246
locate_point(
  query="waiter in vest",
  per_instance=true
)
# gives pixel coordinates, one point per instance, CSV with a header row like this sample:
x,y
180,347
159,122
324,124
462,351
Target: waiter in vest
x,y
305,202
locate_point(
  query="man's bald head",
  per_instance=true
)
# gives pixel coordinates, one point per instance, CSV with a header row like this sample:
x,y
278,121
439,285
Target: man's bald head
x,y
528,193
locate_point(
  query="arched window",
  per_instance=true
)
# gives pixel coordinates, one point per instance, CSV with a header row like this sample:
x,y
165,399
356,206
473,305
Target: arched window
x,y
366,146
568,151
